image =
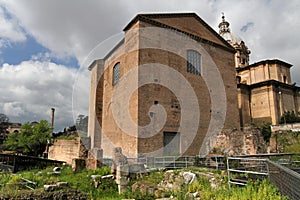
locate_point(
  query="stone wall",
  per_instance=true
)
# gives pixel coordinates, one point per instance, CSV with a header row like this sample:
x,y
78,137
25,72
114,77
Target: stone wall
x,y
235,142
66,150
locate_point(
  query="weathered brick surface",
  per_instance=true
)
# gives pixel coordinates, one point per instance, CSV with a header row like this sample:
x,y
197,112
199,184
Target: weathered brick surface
x,y
236,142
141,49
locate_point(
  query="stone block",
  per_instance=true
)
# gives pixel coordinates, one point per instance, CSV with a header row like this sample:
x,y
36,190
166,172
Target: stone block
x,y
96,153
189,177
78,164
91,164
137,168
108,177
62,184
122,171
50,187
122,181
95,177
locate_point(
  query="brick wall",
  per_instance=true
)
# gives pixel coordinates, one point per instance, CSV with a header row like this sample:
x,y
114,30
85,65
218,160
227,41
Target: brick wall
x,y
66,150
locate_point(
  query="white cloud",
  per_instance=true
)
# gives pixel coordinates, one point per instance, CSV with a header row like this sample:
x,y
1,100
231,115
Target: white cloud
x,y
75,27
10,30
15,109
29,90
273,31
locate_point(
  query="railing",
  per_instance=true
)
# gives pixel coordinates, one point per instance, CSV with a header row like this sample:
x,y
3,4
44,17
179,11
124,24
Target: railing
x,y
173,162
241,169
211,161
16,163
170,162
286,180
282,171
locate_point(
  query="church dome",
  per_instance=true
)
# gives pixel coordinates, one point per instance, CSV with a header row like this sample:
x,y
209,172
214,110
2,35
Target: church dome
x,y
232,39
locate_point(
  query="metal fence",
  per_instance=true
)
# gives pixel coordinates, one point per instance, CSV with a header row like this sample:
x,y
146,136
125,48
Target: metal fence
x,y
176,162
241,169
14,163
281,170
170,162
285,179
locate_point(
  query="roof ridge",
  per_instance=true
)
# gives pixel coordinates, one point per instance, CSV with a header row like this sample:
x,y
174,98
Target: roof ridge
x,y
167,14
192,14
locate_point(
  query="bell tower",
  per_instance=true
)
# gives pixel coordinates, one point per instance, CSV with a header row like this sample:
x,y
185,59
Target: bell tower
x,y
242,51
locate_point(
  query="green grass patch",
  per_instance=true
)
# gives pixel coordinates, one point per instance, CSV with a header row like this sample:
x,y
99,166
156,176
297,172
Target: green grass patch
x,y
108,190
81,181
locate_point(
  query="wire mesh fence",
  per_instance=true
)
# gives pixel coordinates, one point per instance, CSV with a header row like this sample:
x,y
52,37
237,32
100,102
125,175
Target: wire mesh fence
x,y
285,179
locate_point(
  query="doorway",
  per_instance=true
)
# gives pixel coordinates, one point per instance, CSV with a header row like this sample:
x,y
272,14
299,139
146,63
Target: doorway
x,y
171,143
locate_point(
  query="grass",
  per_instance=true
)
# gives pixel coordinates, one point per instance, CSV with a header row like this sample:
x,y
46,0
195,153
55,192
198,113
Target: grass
x,y
108,190
81,181
260,190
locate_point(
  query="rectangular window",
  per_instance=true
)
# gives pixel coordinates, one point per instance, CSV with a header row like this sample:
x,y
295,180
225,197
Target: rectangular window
x,y
116,73
193,62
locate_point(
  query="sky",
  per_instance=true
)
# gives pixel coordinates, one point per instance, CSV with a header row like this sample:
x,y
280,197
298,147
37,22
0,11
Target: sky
x,y
44,45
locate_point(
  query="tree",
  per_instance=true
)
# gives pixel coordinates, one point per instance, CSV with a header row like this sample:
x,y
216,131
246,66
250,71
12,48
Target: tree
x,y
3,124
31,140
3,118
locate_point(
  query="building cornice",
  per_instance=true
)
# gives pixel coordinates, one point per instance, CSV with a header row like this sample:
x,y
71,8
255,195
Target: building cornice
x,y
264,62
147,18
269,83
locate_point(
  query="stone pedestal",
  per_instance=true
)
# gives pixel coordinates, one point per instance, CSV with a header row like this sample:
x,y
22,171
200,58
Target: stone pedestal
x,y
94,159
122,179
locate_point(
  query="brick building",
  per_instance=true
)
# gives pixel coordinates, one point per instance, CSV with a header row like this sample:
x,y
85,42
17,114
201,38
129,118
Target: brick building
x,y
173,85
168,88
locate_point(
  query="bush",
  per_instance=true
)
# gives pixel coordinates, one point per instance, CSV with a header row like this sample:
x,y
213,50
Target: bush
x,y
289,117
266,132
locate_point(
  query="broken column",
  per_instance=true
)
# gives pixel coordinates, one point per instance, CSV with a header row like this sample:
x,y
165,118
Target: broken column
x,y
122,173
118,159
94,159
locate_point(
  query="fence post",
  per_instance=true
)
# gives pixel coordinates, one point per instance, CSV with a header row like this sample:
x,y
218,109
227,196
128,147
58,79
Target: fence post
x,y
228,172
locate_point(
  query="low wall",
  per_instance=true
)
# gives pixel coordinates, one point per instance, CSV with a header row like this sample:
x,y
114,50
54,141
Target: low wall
x,y
66,150
286,127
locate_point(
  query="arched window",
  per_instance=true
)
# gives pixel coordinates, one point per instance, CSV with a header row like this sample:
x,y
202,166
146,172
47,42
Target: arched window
x,y
116,73
193,62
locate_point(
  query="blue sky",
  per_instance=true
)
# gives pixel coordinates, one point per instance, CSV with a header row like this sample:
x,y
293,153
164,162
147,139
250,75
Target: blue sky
x,y
42,42
17,52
